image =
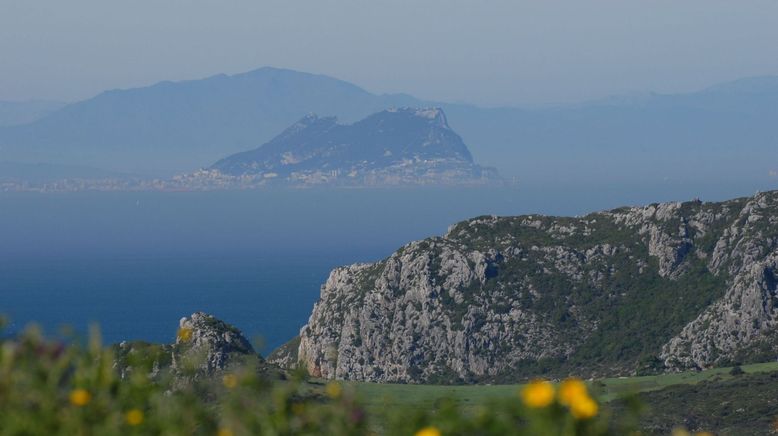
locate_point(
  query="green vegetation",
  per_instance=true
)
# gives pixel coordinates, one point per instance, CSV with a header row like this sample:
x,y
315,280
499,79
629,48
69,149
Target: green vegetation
x,y
124,355
53,388
635,309
720,400
49,387
742,405
633,328
382,396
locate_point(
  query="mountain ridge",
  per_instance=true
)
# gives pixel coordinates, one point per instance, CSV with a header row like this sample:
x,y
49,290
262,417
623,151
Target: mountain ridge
x,y
169,127
174,127
634,290
14,113
397,146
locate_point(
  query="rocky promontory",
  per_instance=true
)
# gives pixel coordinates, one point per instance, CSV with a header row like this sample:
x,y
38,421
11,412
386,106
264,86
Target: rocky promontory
x,y
401,146
635,290
205,346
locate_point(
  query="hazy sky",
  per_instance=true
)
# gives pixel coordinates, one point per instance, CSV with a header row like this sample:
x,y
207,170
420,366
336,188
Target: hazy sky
x,y
483,51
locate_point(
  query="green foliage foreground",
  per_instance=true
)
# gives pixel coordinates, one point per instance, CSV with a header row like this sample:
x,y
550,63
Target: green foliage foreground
x,y
51,388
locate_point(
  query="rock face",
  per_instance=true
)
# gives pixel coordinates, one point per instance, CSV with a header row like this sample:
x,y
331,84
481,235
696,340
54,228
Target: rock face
x,y
285,356
205,346
210,344
633,290
392,147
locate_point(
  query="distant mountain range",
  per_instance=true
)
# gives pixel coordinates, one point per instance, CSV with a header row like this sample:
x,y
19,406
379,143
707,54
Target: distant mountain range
x,y
13,113
173,127
723,133
391,147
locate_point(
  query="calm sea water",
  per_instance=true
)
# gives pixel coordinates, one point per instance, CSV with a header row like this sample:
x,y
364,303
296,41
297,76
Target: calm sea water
x,y
137,262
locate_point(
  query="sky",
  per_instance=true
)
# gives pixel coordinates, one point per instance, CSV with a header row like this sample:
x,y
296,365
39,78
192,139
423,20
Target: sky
x,y
493,52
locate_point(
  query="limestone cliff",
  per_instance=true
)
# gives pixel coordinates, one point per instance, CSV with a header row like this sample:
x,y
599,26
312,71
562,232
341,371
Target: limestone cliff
x,y
633,290
210,345
205,346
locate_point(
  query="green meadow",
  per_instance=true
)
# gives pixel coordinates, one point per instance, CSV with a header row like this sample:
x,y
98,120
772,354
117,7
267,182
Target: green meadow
x,y
378,396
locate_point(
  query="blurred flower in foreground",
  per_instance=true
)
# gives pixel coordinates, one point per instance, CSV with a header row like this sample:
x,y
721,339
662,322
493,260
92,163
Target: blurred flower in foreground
x,y
428,431
224,432
230,381
537,394
574,394
333,390
80,397
134,417
571,389
184,334
584,407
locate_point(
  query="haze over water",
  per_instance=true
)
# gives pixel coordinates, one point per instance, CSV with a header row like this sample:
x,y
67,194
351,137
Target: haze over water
x,y
136,262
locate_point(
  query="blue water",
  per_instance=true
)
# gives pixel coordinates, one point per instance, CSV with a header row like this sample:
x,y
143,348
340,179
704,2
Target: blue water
x,y
137,262
134,298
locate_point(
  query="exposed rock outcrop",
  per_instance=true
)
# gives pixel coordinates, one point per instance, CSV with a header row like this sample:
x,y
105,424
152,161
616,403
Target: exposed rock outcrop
x,y
745,318
205,346
632,290
209,343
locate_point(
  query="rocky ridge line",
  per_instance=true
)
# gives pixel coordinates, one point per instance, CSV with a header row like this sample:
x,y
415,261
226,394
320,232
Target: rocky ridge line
x,y
663,287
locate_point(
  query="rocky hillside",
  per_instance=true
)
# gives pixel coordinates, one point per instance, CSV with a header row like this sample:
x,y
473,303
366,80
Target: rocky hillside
x,y
633,290
205,346
395,146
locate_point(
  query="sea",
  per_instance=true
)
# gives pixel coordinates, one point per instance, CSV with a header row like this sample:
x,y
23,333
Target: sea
x,y
134,263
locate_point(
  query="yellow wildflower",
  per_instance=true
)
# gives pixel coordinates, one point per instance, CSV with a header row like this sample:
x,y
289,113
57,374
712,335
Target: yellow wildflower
x,y
333,390
224,432
80,397
584,407
703,433
571,389
184,334
678,431
537,394
134,417
428,431
230,381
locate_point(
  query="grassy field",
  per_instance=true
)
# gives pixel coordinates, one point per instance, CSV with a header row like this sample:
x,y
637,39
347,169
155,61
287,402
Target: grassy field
x,y
378,396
